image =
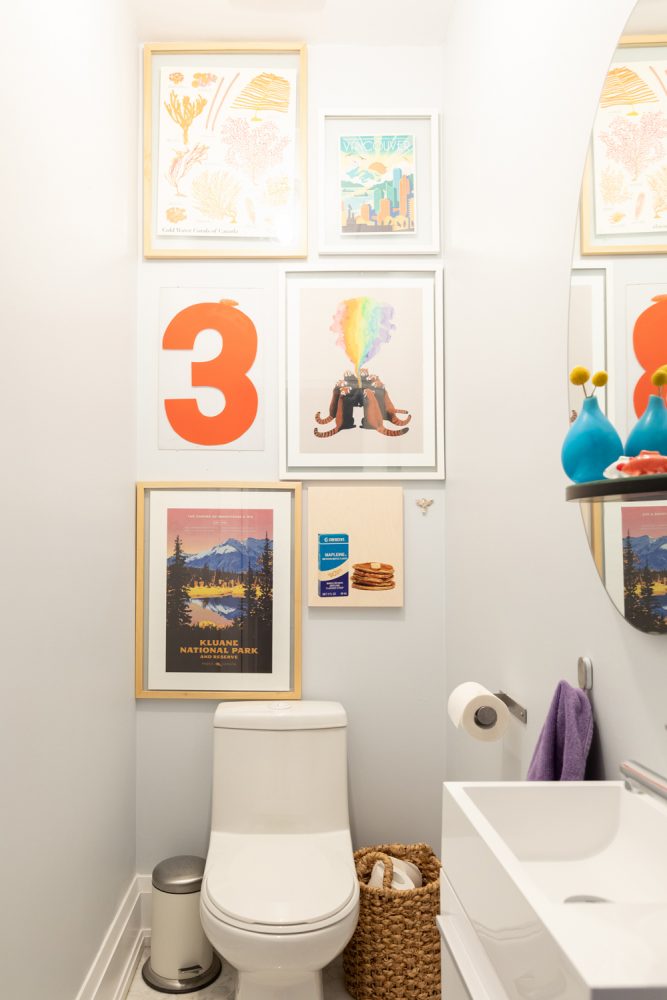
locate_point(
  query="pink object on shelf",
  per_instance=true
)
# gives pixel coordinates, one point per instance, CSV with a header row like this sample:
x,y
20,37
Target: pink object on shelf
x,y
645,463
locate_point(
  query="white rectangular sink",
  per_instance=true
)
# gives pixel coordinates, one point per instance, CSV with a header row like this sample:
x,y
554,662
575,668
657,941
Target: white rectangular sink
x,y
565,884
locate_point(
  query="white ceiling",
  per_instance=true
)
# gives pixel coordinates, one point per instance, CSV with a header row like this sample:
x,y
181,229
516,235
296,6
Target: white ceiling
x,y
369,22
360,22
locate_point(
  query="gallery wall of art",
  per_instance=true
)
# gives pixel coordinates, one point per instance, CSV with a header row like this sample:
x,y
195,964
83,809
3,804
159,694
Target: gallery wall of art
x,y
386,663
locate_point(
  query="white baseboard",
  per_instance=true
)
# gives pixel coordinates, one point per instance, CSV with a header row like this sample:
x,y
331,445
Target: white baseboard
x,y
114,965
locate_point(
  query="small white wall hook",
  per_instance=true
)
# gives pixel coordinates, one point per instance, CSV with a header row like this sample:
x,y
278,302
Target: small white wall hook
x,y
585,673
423,504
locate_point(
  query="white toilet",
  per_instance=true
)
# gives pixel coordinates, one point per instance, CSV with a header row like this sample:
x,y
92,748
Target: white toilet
x,y
279,897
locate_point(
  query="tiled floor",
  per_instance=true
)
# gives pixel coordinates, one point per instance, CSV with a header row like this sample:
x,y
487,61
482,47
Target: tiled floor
x,y
223,987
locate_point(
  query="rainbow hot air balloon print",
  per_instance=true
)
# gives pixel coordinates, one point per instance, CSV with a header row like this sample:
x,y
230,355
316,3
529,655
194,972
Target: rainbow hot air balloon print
x,y
363,325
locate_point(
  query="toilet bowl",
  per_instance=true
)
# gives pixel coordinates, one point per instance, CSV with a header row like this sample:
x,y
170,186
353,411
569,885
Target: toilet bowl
x,y
280,896
279,909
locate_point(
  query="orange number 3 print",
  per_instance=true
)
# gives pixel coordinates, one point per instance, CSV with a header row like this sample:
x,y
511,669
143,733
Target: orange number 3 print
x,y
649,340
226,372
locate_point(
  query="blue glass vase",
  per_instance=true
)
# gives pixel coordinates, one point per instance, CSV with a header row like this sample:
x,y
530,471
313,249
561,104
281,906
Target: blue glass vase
x,y
650,431
591,444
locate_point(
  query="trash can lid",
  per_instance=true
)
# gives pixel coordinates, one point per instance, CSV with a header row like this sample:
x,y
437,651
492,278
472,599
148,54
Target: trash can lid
x,y
181,874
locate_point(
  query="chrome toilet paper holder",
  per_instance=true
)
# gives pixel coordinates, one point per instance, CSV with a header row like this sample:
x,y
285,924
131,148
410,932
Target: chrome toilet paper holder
x,y
517,710
486,716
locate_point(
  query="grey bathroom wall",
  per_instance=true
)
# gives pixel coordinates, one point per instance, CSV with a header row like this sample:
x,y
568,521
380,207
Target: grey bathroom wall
x,y
509,256
67,417
385,666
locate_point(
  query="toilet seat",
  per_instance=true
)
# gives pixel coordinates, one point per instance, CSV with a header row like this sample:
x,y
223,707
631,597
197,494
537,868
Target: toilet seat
x,y
279,884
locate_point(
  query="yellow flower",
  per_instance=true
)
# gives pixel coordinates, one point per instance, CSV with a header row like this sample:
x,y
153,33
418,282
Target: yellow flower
x,y
599,379
659,377
579,375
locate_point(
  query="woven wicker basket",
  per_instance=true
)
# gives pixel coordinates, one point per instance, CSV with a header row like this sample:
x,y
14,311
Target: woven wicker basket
x,y
394,953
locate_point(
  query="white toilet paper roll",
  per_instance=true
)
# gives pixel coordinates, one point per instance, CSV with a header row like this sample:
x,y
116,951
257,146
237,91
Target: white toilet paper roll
x,y
400,879
478,712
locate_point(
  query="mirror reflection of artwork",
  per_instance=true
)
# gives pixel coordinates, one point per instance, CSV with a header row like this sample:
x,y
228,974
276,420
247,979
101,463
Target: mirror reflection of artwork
x,y
377,184
645,566
587,331
646,342
226,150
630,149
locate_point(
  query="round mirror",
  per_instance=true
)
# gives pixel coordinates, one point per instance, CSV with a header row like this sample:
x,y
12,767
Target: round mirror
x,y
618,306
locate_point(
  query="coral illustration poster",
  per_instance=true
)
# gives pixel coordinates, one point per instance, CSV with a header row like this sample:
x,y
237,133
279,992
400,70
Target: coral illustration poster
x,y
645,566
226,151
221,605
630,150
361,372
377,184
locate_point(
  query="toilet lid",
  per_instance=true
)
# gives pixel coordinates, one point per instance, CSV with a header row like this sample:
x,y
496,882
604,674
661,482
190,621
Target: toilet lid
x,y
279,883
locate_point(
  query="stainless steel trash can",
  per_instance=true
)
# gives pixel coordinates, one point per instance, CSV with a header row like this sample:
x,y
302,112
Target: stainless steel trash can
x,y
181,959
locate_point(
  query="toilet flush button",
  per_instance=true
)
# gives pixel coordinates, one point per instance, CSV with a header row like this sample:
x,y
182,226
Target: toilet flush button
x,y
281,706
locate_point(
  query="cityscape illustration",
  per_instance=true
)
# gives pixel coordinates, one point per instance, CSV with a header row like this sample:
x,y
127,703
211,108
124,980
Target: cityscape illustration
x,y
377,184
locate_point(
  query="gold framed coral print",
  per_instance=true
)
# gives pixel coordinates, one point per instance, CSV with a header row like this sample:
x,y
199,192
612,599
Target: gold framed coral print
x,y
225,150
624,193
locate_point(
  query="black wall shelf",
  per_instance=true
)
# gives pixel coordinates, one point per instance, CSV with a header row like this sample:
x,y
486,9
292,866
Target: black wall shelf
x,y
620,490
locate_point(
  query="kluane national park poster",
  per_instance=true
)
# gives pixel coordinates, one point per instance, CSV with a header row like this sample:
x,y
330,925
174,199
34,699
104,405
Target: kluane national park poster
x,y
219,590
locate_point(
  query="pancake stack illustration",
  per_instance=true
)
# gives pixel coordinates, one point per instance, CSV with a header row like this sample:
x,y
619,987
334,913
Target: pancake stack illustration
x,y
373,576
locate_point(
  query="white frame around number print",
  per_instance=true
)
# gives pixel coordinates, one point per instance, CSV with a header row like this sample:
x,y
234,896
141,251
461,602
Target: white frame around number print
x,y
424,125
590,346
427,465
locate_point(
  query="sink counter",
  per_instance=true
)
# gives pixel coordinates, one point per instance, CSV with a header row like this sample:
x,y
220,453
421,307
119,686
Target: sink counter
x,y
563,884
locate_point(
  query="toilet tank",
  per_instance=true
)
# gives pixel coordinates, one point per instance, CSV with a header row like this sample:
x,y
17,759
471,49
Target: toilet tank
x,y
280,767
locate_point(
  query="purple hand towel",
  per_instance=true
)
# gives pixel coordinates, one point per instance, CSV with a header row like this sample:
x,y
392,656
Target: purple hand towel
x,y
562,749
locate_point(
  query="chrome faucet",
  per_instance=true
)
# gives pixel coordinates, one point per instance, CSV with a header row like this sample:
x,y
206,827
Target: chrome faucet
x,y
639,778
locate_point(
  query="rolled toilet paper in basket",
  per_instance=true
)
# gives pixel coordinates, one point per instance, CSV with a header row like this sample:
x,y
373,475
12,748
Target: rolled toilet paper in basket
x,y
405,875
478,712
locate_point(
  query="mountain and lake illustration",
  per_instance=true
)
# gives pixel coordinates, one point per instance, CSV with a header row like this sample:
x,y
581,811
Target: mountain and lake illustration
x,y
231,556
645,567
650,552
219,604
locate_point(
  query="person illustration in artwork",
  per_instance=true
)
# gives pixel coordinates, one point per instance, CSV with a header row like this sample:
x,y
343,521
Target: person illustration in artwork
x,y
363,325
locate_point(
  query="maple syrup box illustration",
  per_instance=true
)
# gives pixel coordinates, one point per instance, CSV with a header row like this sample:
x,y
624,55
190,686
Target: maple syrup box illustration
x,y
333,565
355,546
